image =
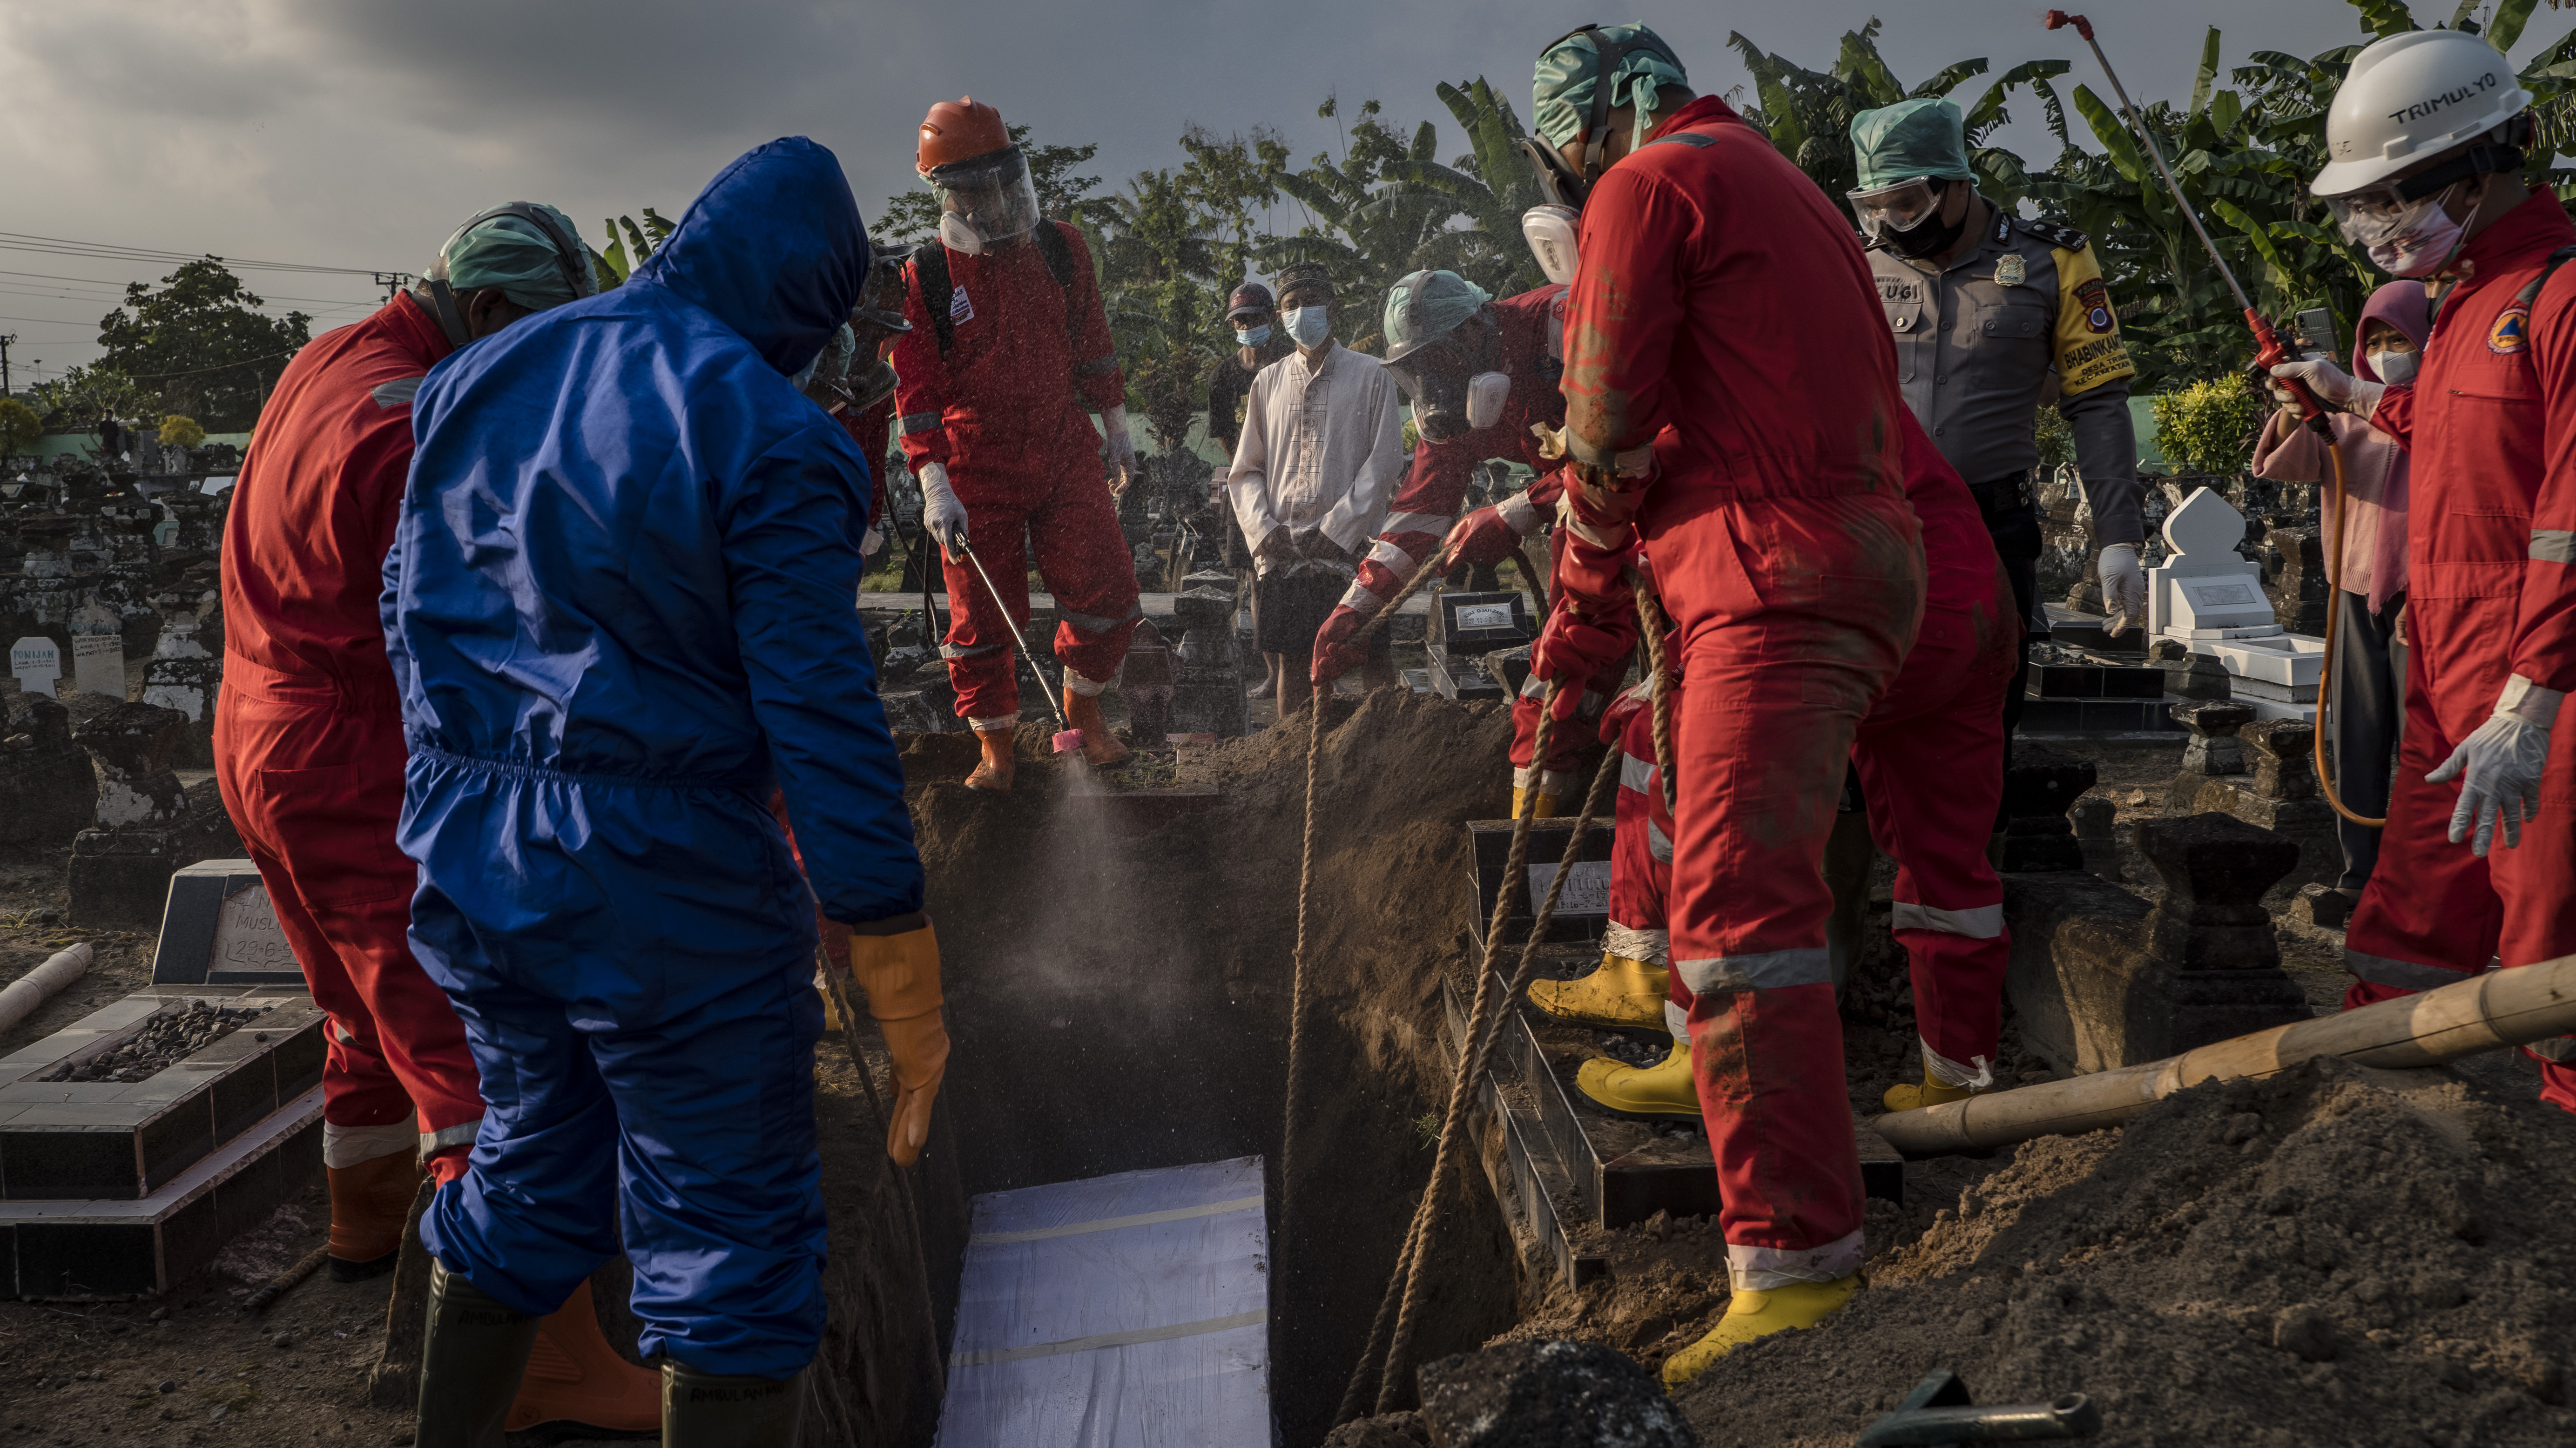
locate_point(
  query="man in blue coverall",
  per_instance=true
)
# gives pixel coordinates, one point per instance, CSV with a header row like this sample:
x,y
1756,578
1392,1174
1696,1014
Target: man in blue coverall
x,y
619,607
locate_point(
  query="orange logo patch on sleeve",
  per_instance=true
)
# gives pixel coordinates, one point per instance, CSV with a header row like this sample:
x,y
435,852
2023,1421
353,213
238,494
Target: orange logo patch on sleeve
x,y
2095,299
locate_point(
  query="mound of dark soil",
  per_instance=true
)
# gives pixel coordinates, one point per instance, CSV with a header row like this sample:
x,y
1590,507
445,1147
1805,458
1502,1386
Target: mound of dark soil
x,y
2336,1255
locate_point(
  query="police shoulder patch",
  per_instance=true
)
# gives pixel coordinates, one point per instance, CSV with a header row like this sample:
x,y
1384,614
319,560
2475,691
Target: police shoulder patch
x,y
2055,234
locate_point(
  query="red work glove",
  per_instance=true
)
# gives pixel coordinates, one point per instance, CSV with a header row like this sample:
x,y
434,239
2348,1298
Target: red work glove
x,y
1572,651
1592,566
1338,647
1490,535
1631,702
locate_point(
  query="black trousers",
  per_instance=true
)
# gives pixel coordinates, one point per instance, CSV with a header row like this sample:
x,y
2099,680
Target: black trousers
x,y
2365,709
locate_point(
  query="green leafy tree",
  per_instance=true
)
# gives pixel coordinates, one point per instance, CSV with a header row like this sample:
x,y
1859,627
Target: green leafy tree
x,y
624,253
1808,113
2209,426
73,401
19,427
203,342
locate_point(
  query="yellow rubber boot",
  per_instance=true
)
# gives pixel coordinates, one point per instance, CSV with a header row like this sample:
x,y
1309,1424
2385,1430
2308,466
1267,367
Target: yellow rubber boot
x,y
1546,803
1619,993
994,772
1662,1092
1933,1092
1752,1315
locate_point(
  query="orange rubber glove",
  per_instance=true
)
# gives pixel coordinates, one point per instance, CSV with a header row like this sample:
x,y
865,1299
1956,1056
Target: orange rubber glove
x,y
900,973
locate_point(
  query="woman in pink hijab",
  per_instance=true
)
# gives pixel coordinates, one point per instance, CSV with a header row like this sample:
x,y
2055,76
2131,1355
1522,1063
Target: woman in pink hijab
x,y
2369,573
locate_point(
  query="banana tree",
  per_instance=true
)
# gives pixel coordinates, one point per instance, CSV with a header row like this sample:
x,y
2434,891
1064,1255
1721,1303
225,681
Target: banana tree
x,y
618,260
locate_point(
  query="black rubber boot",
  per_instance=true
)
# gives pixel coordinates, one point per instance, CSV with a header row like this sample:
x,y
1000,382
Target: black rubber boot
x,y
470,1364
711,1410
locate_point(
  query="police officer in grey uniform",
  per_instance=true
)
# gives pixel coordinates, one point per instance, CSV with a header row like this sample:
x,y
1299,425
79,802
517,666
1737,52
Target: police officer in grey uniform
x,y
1990,312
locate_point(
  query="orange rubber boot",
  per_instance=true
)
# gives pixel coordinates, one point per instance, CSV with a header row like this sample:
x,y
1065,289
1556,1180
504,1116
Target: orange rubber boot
x,y
370,1204
1100,748
994,773
574,1376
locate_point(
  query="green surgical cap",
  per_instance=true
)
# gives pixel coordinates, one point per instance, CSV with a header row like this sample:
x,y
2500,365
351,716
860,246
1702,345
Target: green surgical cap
x,y
1908,139
514,254
1427,306
1561,97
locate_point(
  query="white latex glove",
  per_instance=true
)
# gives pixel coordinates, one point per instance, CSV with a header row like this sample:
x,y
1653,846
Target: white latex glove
x,y
2333,385
2502,762
941,513
1122,444
2124,588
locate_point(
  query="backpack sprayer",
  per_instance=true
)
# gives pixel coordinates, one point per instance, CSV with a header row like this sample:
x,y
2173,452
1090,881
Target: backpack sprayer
x,y
2270,352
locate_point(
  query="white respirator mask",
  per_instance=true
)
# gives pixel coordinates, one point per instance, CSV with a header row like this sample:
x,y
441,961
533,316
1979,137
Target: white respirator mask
x,y
2397,369
1549,230
1486,394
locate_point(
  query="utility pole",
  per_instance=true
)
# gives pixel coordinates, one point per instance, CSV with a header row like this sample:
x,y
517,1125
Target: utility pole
x,y
4,362
393,282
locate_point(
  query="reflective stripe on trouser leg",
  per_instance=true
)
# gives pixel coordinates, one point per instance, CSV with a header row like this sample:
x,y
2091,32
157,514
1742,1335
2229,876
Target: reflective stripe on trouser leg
x,y
1677,1021
1653,947
1760,1269
346,1146
1558,783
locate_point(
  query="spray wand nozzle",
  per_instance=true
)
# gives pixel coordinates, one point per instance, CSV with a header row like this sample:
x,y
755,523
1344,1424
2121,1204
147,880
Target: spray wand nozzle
x,y
2270,352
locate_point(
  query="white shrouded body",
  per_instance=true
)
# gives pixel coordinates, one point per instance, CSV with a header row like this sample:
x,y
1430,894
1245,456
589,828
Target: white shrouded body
x,y
2410,97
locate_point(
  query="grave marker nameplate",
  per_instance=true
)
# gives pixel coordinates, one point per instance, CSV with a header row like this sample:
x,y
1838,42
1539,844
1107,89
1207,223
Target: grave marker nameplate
x,y
220,928
36,662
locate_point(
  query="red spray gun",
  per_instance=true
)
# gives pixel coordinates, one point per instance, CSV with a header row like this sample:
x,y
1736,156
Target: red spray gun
x,y
2272,351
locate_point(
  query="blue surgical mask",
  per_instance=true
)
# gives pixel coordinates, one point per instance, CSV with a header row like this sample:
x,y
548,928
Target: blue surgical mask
x,y
1254,337
1307,326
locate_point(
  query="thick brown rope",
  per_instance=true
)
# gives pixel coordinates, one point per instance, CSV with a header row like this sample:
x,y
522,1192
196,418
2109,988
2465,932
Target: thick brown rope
x,y
1297,1055
1650,627
1475,1060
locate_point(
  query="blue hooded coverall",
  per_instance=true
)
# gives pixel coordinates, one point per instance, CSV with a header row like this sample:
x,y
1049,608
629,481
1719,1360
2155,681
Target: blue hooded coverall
x,y
620,605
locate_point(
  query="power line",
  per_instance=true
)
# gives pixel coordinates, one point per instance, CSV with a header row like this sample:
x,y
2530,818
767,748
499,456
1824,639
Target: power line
x,y
110,251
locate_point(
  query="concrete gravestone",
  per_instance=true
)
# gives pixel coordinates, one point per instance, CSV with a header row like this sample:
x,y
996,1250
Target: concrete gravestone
x,y
2209,598
36,663
221,929
98,651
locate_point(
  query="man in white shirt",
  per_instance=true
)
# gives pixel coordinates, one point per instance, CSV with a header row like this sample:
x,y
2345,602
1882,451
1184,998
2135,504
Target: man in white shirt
x,y
1321,450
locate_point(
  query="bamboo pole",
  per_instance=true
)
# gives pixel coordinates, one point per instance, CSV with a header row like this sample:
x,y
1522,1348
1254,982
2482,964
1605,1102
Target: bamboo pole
x,y
2486,1012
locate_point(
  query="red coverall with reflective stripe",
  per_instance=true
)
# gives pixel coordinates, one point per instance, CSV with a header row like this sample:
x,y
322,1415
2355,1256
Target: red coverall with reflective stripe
x,y
1931,760
2491,593
1720,292
308,734
1004,412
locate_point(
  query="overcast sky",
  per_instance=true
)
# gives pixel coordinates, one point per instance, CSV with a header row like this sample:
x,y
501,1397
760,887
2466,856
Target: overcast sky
x,y
355,133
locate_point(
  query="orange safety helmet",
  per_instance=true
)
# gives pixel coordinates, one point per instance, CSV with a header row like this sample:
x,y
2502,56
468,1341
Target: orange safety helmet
x,y
960,130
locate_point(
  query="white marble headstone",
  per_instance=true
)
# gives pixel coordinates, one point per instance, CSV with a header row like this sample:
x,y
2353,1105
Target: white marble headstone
x,y
36,663
2206,589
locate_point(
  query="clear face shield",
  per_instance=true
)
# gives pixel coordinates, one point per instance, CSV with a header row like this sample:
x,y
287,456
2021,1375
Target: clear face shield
x,y
984,201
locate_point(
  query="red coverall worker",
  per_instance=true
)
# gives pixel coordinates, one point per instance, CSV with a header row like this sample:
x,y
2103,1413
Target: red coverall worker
x,y
1631,987
1931,761
1001,407
309,755
1720,293
1916,751
2491,596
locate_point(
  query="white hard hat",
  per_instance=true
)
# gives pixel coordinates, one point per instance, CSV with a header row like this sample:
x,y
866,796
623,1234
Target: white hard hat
x,y
2410,97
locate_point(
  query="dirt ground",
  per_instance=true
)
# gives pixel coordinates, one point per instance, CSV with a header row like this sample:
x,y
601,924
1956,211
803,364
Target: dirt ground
x,y
1120,996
